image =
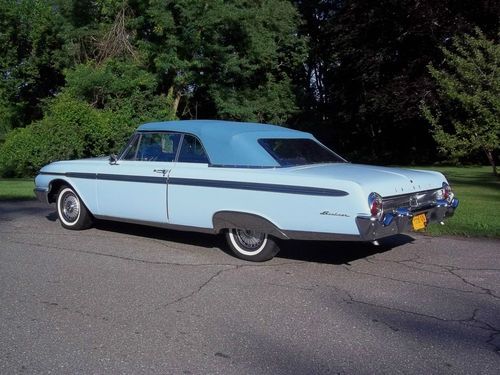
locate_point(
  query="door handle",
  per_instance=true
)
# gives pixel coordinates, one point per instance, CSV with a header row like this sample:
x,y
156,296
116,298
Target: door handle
x,y
162,171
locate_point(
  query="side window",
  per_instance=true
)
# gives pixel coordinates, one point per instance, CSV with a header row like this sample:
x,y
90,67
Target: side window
x,y
131,149
192,151
154,147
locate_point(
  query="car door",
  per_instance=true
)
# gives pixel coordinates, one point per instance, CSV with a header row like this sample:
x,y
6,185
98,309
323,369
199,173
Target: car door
x,y
189,202
135,187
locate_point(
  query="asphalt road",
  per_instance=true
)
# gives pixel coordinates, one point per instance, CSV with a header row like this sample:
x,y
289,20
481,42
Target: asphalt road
x,y
130,299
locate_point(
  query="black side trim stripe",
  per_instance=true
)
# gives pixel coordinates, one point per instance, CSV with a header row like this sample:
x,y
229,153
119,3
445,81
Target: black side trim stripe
x,y
52,173
90,176
255,186
145,179
244,166
110,177
290,189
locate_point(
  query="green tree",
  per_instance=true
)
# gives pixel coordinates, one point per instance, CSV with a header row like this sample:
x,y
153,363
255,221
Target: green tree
x,y
93,115
31,59
70,129
68,64
122,86
466,117
366,73
227,59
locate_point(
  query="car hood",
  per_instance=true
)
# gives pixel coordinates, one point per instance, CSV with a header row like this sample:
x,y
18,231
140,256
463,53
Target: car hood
x,y
79,165
383,180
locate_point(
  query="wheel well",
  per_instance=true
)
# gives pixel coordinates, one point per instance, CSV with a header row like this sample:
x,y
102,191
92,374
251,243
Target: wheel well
x,y
54,188
224,220
56,185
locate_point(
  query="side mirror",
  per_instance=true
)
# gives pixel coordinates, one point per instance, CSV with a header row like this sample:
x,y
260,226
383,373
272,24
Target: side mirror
x,y
113,159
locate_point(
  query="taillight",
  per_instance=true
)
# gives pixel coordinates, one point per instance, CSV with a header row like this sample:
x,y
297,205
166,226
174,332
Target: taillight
x,y
376,205
447,192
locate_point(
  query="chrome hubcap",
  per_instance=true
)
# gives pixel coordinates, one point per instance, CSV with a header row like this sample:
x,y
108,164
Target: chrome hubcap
x,y
70,207
249,238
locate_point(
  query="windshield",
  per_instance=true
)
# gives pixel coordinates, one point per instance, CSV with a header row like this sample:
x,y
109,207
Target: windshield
x,y
292,152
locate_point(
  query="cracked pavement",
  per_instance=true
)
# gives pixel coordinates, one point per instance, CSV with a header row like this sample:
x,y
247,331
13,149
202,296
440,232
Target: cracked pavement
x,y
129,299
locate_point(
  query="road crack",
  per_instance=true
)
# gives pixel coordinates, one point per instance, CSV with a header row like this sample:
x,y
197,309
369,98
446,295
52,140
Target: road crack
x,y
89,252
194,292
410,282
453,270
472,321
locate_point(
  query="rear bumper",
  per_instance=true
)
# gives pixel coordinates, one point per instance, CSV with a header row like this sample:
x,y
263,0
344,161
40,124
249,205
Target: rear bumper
x,y
400,221
42,194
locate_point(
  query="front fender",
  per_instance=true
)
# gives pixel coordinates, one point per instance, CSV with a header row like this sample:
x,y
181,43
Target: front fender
x,y
47,185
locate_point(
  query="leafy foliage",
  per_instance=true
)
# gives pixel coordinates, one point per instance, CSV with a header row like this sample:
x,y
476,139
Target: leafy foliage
x,y
121,86
467,115
352,72
217,58
72,129
97,110
87,72
31,59
366,71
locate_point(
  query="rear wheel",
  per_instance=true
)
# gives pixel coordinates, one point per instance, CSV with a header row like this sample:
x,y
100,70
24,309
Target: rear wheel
x,y
71,211
251,245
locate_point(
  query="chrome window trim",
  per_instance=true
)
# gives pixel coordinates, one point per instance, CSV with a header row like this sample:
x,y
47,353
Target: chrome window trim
x,y
181,139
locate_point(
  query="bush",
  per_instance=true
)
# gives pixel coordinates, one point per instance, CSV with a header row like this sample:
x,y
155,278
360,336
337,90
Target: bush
x,y
71,129
96,112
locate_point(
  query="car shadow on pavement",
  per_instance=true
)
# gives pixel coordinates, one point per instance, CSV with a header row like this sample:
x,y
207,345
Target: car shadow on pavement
x,y
331,252
163,234
338,252
52,216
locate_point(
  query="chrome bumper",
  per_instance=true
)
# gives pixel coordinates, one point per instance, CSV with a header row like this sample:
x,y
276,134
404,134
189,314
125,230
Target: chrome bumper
x,y
42,194
400,221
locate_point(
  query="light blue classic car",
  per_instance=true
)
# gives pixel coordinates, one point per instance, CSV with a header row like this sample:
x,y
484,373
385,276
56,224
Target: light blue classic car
x,y
253,182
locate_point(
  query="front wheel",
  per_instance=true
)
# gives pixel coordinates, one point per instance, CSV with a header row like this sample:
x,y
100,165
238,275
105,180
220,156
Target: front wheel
x,y
71,211
251,245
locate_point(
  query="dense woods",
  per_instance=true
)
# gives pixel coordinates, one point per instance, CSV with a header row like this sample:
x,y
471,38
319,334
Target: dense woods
x,y
369,78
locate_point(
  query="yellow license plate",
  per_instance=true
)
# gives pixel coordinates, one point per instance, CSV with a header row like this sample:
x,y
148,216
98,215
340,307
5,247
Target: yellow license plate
x,y
419,222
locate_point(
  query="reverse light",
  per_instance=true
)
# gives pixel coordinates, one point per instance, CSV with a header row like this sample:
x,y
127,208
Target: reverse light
x,y
376,205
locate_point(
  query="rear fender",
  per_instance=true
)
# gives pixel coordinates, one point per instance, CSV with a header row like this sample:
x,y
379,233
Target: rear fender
x,y
242,220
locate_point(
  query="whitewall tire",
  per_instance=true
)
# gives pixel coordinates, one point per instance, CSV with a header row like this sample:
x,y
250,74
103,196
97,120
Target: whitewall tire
x,y
71,211
251,245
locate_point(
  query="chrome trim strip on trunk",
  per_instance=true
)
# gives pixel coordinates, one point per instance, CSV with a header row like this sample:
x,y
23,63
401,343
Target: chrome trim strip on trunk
x,y
414,201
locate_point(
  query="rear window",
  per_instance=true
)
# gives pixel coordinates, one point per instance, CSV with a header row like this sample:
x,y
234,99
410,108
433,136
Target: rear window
x,y
292,152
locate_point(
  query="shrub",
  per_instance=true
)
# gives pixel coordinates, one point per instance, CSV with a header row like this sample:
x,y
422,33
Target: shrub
x,y
71,129
95,113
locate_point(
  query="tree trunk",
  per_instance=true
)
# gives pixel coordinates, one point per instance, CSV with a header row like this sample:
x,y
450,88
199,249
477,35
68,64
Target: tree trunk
x,y
491,159
176,99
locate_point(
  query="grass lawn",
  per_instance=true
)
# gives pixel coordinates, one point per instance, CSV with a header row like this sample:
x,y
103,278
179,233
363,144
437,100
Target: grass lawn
x,y
476,188
479,194
16,188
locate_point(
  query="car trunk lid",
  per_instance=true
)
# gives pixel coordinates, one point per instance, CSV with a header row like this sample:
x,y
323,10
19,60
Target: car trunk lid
x,y
385,181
